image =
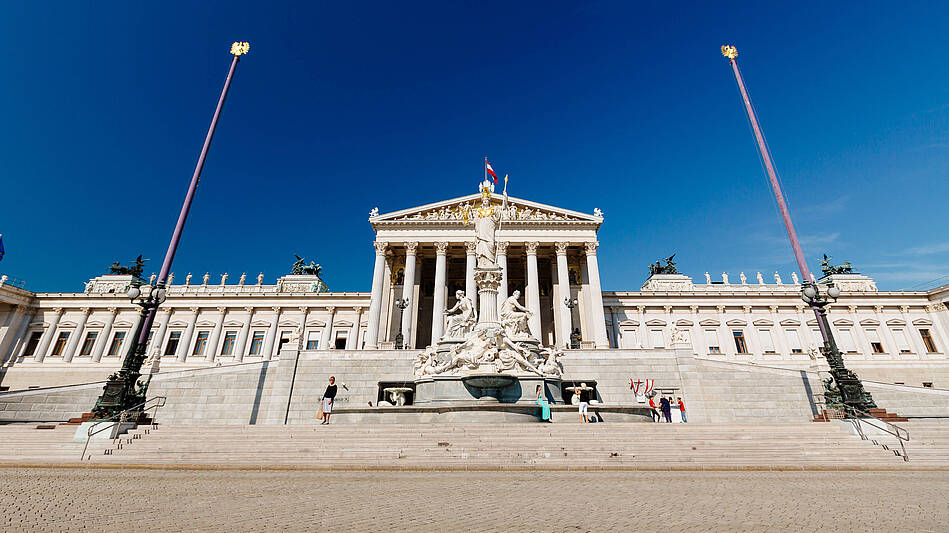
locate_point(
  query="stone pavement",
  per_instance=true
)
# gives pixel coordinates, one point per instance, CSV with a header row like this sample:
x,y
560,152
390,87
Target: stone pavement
x,y
90,499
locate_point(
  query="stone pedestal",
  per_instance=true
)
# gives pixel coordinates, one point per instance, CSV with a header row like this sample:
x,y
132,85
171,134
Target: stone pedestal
x,y
488,281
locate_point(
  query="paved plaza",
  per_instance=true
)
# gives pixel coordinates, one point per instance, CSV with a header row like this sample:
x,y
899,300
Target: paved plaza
x,y
213,500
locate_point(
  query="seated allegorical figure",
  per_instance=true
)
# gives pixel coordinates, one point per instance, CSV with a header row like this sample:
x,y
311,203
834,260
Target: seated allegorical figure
x,y
514,317
461,318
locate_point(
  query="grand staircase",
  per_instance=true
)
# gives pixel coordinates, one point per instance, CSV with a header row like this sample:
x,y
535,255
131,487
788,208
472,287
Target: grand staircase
x,y
452,446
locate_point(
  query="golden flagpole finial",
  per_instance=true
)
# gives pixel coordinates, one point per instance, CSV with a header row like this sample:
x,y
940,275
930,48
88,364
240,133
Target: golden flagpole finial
x,y
729,51
240,49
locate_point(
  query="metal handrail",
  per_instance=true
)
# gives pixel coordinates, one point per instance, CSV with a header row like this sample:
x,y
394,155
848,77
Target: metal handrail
x,y
159,402
860,416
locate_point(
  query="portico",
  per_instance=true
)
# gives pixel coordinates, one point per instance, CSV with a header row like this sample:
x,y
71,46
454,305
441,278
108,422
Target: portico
x,y
426,254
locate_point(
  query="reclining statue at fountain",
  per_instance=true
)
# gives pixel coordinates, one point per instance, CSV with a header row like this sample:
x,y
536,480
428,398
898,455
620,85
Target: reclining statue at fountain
x,y
461,318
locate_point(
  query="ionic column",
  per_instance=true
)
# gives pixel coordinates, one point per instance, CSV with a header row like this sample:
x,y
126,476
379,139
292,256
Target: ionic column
x,y
215,335
242,337
471,289
328,330
271,334
47,337
352,342
563,280
375,302
408,292
533,289
159,338
596,297
502,262
438,309
182,354
10,346
77,336
103,339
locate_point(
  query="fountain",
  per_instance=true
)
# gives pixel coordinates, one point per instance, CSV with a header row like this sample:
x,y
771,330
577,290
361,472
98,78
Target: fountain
x,y
486,356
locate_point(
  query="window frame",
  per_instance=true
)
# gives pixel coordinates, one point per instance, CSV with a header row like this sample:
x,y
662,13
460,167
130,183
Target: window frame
x,y
90,342
741,344
118,338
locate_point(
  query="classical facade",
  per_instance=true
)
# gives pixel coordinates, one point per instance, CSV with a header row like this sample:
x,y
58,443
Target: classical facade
x,y
424,255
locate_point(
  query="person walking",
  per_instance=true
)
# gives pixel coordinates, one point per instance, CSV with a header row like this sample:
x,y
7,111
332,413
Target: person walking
x,y
544,406
329,397
666,409
653,409
682,409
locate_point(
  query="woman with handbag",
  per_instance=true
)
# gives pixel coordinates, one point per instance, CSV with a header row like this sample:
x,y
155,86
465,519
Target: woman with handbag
x,y
326,406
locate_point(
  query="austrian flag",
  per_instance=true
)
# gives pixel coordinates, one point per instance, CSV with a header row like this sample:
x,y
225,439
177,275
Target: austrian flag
x,y
489,170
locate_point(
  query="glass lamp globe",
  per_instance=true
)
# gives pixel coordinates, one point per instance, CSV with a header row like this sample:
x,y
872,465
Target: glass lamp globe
x,y
810,293
134,292
833,292
160,295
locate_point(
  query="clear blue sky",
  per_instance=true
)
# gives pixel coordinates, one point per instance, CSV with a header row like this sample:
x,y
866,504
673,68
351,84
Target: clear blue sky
x,y
343,106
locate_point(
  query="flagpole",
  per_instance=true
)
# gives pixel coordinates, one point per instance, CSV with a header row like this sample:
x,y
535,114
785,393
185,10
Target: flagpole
x,y
237,49
848,384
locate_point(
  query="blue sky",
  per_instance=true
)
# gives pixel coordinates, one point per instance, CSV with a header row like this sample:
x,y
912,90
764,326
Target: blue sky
x,y
344,106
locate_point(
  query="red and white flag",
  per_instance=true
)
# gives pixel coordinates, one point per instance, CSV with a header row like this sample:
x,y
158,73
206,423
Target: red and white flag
x,y
489,170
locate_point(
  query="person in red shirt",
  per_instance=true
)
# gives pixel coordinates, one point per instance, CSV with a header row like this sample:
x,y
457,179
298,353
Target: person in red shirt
x,y
681,409
654,408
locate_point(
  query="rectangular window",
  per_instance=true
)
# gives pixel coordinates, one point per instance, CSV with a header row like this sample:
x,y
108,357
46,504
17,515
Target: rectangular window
x,y
928,341
794,340
873,336
257,343
313,340
60,343
173,339
655,336
901,341
116,343
767,343
201,343
284,338
32,343
340,341
227,348
711,339
845,342
740,345
629,337
88,343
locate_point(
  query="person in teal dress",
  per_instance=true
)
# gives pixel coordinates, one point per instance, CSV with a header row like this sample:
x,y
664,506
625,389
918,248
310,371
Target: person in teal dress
x,y
544,406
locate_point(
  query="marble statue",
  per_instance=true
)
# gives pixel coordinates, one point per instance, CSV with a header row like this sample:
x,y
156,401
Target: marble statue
x,y
708,279
171,278
151,279
760,279
597,212
744,280
795,279
260,278
551,365
461,318
242,279
725,278
223,278
514,316
205,278
486,224
374,212
777,278
188,279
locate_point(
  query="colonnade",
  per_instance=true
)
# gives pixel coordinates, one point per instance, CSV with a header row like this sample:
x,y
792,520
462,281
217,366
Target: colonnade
x,y
583,255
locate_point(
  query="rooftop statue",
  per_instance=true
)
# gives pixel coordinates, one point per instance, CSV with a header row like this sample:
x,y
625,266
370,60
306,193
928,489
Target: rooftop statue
x,y
829,269
299,268
135,270
668,268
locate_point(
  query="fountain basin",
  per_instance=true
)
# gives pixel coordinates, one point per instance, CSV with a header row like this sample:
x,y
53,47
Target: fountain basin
x,y
488,381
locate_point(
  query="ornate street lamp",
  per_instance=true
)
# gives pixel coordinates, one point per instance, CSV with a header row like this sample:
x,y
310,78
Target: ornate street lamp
x,y
574,337
399,338
123,390
844,388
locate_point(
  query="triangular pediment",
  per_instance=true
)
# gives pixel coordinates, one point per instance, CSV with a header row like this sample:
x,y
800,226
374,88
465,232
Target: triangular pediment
x,y
458,210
